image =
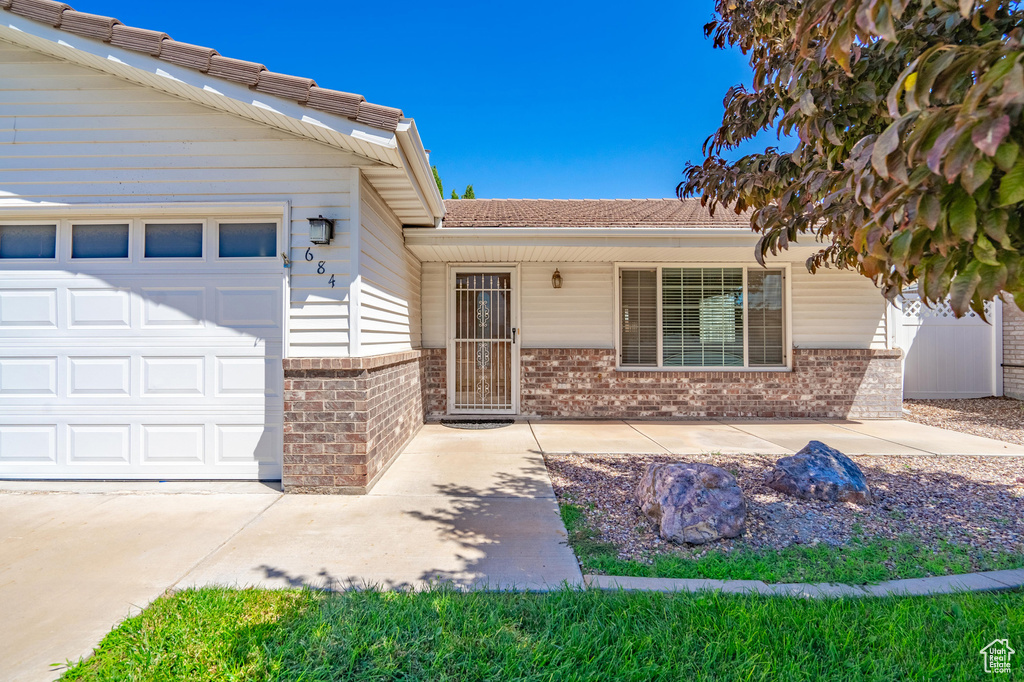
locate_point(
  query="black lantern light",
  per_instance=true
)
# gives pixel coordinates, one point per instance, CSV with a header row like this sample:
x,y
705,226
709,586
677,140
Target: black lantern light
x,y
556,280
321,230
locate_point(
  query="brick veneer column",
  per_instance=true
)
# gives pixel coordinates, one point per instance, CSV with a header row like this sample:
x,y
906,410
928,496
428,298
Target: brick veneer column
x,y
346,419
583,383
1013,349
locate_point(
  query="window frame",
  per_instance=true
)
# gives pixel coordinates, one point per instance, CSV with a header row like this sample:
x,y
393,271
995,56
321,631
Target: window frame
x,y
69,225
215,239
57,246
787,318
204,240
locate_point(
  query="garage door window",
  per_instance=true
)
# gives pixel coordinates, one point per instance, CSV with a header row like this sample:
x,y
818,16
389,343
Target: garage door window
x,y
174,240
99,241
28,241
247,240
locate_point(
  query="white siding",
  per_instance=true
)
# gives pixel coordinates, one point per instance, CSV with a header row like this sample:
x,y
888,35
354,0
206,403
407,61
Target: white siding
x,y
72,135
389,299
434,299
579,315
837,309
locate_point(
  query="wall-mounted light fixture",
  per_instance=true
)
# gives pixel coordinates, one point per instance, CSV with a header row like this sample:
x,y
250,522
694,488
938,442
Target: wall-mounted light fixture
x,y
556,280
321,230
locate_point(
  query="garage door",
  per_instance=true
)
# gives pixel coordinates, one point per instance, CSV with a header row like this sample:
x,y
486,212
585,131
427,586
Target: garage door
x,y
141,349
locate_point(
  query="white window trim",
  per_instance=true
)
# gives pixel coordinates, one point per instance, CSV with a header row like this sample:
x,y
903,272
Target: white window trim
x,y
58,247
67,234
215,238
787,312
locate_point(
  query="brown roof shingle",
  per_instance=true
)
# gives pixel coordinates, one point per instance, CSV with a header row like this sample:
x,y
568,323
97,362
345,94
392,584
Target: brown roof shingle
x,y
587,213
207,60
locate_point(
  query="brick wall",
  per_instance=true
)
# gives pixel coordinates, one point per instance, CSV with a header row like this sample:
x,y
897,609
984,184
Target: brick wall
x,y
1013,349
584,383
345,419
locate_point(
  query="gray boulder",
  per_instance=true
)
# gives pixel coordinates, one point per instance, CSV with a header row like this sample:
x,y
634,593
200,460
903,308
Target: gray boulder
x,y
819,472
694,503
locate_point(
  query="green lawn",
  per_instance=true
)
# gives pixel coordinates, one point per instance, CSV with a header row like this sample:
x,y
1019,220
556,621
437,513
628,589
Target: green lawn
x,y
862,561
221,634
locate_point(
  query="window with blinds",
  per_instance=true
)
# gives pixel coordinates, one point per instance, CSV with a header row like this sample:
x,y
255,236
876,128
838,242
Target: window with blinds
x,y
766,333
702,317
639,320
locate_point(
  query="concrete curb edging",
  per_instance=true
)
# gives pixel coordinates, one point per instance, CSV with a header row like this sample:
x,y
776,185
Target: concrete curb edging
x,y
989,581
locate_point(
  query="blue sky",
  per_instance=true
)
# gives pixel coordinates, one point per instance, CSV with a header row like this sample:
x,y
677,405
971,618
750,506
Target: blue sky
x,y
550,100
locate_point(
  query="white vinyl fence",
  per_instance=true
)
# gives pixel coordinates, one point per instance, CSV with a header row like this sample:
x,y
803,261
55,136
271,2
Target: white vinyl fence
x,y
946,357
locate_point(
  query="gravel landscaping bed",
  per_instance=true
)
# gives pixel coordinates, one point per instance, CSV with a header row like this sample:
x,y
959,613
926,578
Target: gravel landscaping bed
x,y
999,418
971,500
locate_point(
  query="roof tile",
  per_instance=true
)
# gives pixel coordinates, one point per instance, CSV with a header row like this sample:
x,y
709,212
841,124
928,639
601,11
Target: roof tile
x,y
89,25
186,54
235,69
335,102
137,39
583,213
283,85
379,116
46,11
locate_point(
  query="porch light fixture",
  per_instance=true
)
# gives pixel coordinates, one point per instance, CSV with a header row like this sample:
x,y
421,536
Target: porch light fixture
x,y
321,230
556,280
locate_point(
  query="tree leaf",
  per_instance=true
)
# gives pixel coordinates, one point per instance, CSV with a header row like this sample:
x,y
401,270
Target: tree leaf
x,y
963,286
984,251
886,144
965,7
974,175
807,106
1006,155
930,210
994,224
963,217
989,135
1011,187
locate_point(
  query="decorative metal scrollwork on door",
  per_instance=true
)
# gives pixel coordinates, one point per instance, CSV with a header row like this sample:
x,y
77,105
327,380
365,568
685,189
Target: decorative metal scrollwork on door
x,y
483,312
483,355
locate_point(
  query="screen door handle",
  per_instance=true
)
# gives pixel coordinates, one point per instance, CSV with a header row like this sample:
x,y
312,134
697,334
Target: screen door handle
x,y
513,334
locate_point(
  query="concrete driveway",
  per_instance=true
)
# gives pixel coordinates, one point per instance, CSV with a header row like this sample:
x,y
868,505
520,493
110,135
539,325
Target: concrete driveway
x,y
470,507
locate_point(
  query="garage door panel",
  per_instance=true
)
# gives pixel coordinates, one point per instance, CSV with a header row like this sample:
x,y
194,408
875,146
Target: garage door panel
x,y
32,444
92,308
99,376
28,308
99,443
21,377
249,307
173,307
173,376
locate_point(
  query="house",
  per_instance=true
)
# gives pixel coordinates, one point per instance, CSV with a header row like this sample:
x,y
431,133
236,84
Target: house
x,y
209,270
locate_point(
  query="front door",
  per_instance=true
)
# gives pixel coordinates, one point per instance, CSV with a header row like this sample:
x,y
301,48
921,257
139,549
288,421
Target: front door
x,y
483,348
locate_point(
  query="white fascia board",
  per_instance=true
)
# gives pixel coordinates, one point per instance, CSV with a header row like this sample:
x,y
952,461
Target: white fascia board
x,y
418,166
200,87
579,236
667,237
208,208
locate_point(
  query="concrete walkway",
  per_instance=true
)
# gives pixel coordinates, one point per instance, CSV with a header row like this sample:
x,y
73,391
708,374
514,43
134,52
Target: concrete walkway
x,y
474,508
769,437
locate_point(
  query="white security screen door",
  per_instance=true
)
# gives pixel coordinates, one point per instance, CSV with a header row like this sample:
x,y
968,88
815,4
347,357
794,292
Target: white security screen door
x,y
483,351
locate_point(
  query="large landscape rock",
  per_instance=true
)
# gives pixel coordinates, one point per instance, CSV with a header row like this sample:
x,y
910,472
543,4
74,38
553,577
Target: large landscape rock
x,y
819,472
694,503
